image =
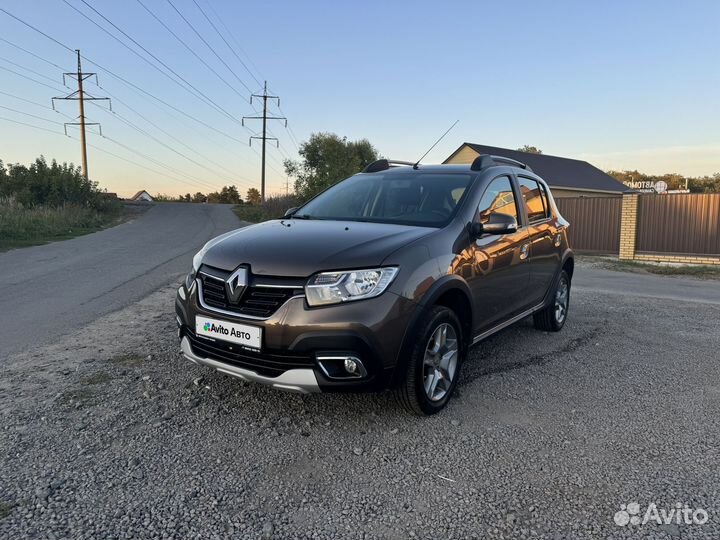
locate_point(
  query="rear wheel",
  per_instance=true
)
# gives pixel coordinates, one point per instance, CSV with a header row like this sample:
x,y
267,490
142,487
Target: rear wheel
x,y
434,366
552,318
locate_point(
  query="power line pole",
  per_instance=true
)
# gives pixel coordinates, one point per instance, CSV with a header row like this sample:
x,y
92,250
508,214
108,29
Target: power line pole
x,y
81,96
264,137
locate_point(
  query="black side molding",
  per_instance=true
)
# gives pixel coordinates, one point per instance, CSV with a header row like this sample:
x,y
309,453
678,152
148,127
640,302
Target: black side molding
x,y
483,161
384,164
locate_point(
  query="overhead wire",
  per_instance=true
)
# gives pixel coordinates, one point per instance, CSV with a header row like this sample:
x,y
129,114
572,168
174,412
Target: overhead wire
x,y
198,34
175,77
226,43
119,77
32,54
190,49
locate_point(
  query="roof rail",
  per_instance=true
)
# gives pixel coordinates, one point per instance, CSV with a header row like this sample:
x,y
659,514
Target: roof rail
x,y
384,164
484,161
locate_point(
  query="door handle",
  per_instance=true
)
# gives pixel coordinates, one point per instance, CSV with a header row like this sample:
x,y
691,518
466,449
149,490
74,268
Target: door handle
x,y
524,251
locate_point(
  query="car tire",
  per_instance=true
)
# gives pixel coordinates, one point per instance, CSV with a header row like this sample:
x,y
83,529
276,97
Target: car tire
x,y
432,369
552,317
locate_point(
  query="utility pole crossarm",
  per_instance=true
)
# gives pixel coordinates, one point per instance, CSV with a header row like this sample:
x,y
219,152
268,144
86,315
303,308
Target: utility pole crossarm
x,y
264,138
80,96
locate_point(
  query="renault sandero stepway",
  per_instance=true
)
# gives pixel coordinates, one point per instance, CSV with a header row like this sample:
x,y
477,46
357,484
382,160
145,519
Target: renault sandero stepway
x,y
383,281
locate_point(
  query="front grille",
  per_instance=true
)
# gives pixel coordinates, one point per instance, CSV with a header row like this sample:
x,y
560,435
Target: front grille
x,y
269,364
255,302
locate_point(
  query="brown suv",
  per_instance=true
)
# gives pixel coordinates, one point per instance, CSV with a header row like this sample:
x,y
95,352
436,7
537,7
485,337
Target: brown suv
x,y
383,280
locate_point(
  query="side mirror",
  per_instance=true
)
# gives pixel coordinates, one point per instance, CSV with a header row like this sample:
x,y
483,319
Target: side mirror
x,y
497,223
290,211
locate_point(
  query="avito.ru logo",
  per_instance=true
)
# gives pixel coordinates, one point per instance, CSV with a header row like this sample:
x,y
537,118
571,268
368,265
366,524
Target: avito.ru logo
x,y
681,514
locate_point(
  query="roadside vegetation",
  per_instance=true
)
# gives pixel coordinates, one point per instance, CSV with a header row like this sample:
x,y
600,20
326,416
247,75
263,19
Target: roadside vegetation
x,y
663,269
46,202
325,159
274,207
227,195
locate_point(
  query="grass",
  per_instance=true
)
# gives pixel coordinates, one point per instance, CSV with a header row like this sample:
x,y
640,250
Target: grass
x,y
29,226
6,508
76,395
697,271
96,378
273,208
128,360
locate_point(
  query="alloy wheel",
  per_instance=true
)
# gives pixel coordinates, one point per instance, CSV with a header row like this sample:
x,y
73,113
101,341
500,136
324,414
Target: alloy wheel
x,y
562,295
440,362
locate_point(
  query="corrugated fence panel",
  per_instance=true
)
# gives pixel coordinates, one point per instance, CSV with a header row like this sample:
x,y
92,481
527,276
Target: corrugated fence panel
x,y
680,223
594,222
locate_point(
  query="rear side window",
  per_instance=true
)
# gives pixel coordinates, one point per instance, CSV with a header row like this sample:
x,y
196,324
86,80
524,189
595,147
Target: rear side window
x,y
535,199
546,200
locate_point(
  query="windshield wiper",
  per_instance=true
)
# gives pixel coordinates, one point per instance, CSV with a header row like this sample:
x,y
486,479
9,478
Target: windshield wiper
x,y
301,216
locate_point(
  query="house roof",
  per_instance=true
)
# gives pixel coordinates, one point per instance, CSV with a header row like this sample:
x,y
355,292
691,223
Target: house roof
x,y
558,172
140,193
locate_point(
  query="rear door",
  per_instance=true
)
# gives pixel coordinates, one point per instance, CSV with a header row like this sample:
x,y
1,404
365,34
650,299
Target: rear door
x,y
497,272
544,256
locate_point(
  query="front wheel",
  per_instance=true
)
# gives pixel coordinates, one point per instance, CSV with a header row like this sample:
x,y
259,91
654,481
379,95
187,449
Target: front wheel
x,y
552,318
434,365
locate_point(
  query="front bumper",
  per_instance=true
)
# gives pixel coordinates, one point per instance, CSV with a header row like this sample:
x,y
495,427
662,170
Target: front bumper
x,y
371,330
301,380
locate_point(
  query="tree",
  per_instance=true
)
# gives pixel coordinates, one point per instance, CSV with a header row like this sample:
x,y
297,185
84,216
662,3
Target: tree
x,y
199,198
326,158
227,195
230,195
530,149
51,185
253,196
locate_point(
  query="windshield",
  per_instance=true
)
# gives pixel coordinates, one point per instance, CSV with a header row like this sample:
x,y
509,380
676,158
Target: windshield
x,y
421,199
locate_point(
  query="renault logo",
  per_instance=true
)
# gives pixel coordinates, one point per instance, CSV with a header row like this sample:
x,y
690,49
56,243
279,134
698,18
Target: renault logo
x,y
236,284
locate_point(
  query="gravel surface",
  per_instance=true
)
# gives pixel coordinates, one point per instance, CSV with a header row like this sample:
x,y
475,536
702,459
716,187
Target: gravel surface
x,y
109,433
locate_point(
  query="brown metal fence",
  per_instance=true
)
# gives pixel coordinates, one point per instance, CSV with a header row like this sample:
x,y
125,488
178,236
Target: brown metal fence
x,y
594,222
685,223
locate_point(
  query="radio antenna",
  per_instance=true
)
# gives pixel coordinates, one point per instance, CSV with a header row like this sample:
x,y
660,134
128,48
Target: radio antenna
x,y
434,145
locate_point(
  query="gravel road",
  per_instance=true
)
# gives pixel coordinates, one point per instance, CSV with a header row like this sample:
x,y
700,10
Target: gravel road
x,y
48,291
108,433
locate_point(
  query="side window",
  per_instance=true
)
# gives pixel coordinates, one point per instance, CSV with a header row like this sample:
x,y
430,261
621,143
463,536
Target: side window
x,y
498,197
534,199
546,200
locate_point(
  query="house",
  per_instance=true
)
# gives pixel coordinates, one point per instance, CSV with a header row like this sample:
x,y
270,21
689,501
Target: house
x,y
142,196
566,177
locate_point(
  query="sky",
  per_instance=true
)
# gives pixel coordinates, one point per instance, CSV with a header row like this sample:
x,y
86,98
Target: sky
x,y
624,85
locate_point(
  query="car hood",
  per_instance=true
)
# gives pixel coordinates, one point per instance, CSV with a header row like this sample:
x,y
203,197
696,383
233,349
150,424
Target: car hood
x,y
299,248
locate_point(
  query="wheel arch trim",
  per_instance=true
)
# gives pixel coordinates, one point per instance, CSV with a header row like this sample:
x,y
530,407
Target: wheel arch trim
x,y
437,289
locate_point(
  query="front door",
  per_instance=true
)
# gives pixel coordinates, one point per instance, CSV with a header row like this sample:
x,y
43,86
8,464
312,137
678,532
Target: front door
x,y
497,272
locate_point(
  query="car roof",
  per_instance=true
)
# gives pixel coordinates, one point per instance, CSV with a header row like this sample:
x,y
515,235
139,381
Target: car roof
x,y
457,169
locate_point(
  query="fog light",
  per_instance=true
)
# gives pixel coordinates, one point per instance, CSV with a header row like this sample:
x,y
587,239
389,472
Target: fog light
x,y
341,366
351,366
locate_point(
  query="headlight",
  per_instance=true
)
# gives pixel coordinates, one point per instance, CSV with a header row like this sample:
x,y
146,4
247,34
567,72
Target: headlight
x,y
197,261
336,287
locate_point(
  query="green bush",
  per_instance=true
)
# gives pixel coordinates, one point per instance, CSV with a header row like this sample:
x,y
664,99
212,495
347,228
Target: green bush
x,y
50,185
45,202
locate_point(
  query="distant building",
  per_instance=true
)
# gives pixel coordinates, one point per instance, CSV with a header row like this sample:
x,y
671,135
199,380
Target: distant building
x,y
566,177
142,196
